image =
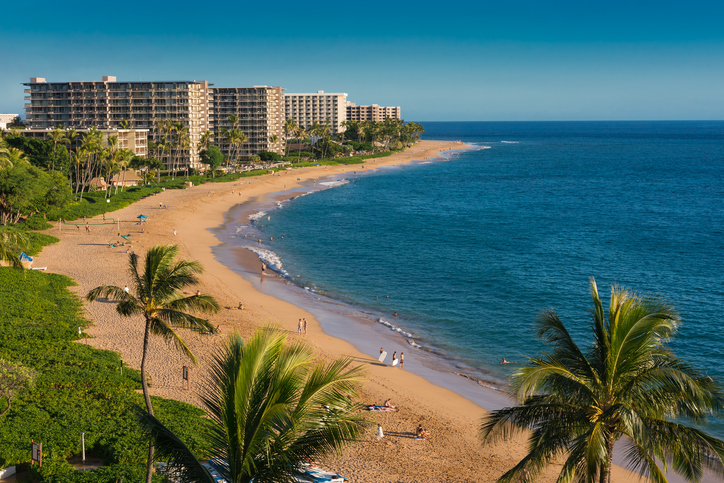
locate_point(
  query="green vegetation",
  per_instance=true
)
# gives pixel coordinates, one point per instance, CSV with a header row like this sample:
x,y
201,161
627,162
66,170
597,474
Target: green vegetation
x,y
578,403
77,388
271,408
212,158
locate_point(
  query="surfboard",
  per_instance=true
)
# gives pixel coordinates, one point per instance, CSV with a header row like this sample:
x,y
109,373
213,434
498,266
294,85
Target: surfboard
x,y
382,357
394,363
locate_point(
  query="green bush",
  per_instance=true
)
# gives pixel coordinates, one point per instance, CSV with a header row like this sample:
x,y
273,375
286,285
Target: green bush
x,y
270,156
36,222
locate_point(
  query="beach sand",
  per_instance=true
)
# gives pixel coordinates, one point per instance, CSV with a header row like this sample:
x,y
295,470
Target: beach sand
x,y
453,453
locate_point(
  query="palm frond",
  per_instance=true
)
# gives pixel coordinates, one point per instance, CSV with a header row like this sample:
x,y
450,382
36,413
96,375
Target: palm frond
x,y
160,328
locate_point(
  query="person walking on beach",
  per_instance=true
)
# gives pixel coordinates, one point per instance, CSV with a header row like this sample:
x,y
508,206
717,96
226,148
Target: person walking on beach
x,y
174,232
305,326
380,434
299,327
394,358
125,289
402,360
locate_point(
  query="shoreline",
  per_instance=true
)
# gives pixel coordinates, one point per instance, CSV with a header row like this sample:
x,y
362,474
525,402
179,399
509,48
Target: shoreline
x,y
453,454
363,327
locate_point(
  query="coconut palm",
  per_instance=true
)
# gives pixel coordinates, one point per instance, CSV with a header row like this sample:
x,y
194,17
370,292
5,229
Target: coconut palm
x,y
57,136
271,408
156,296
626,387
9,239
290,128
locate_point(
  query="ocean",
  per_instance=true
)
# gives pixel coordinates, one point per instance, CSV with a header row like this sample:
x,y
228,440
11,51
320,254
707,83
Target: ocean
x,y
468,250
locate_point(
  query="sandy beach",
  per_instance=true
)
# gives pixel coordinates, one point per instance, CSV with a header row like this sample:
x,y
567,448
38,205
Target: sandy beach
x,y
453,453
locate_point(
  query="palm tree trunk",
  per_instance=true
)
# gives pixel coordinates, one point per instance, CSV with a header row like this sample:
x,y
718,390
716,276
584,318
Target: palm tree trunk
x,y
147,397
606,470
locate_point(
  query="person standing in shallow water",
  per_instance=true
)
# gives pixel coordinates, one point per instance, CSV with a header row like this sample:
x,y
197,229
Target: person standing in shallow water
x,y
402,360
305,326
394,358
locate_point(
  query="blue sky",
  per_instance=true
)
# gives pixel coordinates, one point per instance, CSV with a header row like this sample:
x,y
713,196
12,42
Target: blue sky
x,y
441,61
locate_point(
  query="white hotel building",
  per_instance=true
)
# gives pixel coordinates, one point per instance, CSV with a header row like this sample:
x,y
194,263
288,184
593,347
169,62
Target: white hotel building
x,y
320,106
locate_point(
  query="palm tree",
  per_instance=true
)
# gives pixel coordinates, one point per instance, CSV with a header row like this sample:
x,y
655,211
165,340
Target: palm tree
x,y
156,297
124,124
273,139
301,133
205,141
8,239
57,136
71,135
271,408
290,128
627,385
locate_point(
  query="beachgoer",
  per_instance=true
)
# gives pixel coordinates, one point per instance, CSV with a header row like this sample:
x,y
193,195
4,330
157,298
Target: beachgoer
x,y
402,360
388,296
198,293
241,306
160,204
174,232
299,327
395,314
504,361
381,350
380,434
263,267
420,432
125,289
305,326
259,241
388,404
394,357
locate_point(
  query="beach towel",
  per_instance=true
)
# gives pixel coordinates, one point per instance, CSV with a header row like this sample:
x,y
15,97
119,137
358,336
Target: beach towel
x,y
25,258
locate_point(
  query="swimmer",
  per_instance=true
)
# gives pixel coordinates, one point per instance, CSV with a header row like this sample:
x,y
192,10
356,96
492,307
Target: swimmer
x,y
504,361
395,314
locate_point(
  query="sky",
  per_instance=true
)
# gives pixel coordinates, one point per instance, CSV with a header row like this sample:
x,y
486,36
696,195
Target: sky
x,y
512,60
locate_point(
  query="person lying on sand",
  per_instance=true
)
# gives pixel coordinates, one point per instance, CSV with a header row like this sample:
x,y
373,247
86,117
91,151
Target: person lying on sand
x,y
421,433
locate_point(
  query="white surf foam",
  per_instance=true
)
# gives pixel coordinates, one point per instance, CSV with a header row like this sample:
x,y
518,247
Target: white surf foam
x,y
334,184
270,258
395,329
509,142
257,215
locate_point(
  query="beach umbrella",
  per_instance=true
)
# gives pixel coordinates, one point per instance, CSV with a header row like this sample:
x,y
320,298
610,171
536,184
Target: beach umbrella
x,y
141,217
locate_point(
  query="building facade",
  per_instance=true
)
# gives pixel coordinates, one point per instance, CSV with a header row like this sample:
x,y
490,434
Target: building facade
x,y
135,140
371,113
325,108
6,119
107,103
259,112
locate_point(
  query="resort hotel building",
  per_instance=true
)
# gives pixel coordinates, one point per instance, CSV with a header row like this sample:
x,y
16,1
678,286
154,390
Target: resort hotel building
x,y
144,111
323,107
105,104
259,112
371,113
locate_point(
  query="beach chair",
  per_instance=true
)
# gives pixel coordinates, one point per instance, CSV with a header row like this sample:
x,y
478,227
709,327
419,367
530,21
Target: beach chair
x,y
126,237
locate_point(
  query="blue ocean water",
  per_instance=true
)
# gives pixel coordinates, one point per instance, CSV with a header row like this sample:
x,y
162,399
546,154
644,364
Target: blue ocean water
x,y
471,249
